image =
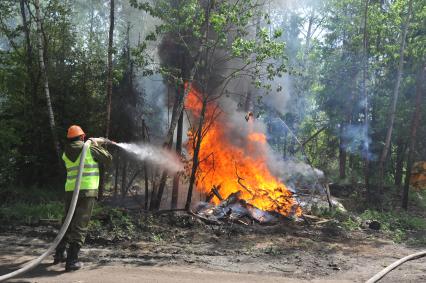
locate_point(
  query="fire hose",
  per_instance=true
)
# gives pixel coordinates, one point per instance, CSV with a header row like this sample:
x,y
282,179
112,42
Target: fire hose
x,y
394,265
30,265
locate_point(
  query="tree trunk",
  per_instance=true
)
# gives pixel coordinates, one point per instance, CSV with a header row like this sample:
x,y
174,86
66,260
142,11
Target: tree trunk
x,y
152,203
420,90
145,172
177,111
342,156
29,53
399,166
195,160
394,99
366,148
175,190
308,40
179,103
41,53
145,138
117,167
109,91
352,168
123,175
109,71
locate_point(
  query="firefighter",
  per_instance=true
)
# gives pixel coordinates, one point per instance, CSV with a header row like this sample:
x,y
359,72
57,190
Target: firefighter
x,y
77,230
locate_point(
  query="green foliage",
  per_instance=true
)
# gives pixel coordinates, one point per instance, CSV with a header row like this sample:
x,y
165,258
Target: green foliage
x,y
27,205
397,224
201,33
325,72
329,90
30,195
419,198
29,213
111,224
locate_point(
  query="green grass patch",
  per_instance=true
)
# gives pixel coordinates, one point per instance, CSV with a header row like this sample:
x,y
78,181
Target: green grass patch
x,y
397,224
30,195
27,213
419,198
111,224
26,206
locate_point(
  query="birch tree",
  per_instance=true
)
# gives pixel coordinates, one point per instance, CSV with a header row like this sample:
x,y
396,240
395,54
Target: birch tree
x,y
41,54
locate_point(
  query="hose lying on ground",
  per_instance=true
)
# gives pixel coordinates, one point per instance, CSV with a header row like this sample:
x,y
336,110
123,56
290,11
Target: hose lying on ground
x,y
37,261
394,265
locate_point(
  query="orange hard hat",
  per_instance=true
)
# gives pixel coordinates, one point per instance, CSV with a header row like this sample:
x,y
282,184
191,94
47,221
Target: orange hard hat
x,y
74,131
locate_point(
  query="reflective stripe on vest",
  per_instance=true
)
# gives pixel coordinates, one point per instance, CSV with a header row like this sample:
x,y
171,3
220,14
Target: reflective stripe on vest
x,y
90,177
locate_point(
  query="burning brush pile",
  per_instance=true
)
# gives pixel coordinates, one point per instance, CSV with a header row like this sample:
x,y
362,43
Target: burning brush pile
x,y
233,169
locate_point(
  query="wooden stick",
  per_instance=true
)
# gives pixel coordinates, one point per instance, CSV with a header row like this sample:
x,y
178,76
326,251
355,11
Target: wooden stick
x,y
215,191
394,265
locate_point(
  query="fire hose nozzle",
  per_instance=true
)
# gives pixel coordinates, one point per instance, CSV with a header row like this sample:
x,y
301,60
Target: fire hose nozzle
x,y
101,141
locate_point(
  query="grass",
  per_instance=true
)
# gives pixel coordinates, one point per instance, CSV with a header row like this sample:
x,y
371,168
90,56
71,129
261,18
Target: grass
x,y
27,205
418,198
111,224
25,213
30,195
398,225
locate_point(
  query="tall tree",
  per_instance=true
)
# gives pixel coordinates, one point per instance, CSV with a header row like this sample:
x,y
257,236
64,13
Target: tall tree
x,y
392,110
175,189
41,54
420,92
109,68
366,148
108,91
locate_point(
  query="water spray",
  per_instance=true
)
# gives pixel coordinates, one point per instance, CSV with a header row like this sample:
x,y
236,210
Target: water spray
x,y
156,155
147,152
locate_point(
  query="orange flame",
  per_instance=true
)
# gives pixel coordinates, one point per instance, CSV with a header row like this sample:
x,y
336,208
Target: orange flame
x,y
236,168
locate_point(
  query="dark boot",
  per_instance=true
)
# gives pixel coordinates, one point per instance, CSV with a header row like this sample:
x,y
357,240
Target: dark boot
x,y
60,254
72,258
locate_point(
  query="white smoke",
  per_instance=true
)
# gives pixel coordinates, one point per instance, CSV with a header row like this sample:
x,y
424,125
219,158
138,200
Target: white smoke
x,y
156,155
281,98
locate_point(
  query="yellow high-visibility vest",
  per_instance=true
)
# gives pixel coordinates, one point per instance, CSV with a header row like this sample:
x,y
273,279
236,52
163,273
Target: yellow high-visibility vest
x,y
90,178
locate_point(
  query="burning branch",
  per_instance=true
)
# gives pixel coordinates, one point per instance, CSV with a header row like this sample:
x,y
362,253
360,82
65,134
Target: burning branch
x,y
211,168
239,181
214,192
212,120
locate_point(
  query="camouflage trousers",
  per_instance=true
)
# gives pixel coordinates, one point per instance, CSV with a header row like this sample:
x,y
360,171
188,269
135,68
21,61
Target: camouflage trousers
x,y
77,230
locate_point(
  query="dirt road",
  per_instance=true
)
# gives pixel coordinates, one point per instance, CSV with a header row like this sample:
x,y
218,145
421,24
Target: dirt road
x,y
134,273
203,257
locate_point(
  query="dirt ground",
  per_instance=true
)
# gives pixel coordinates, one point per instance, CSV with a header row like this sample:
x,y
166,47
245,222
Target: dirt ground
x,y
286,252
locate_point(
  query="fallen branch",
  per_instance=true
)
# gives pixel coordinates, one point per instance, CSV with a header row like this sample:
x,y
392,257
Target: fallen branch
x,y
394,265
204,219
168,211
215,191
